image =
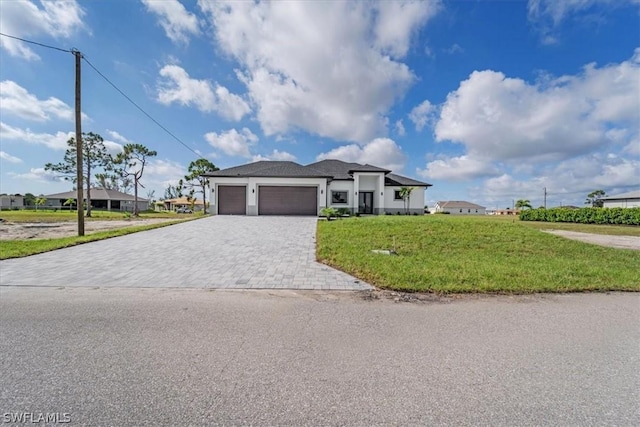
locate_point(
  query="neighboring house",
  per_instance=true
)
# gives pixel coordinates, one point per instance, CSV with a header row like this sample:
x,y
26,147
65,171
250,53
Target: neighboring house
x,y
11,201
288,188
101,198
624,200
507,212
181,202
459,207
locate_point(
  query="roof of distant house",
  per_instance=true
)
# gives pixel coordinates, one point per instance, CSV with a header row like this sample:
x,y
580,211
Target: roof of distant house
x,y
458,204
183,201
630,195
97,194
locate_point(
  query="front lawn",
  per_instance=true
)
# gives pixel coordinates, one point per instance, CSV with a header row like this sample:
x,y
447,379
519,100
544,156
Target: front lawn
x,y
47,215
442,253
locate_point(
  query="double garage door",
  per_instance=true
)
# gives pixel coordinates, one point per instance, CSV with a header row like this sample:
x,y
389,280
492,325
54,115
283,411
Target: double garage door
x,y
272,200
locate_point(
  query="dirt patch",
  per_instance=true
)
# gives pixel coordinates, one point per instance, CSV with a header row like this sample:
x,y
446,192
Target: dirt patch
x,y
52,230
620,242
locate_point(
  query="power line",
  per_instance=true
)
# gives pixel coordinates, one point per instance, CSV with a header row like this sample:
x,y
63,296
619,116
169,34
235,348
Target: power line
x,y
140,108
36,43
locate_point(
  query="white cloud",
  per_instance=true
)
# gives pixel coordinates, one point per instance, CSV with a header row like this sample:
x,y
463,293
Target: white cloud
x,y
547,15
455,48
177,86
115,135
275,155
458,169
232,142
37,175
9,158
510,119
400,128
329,68
422,114
177,22
16,100
383,152
55,142
23,18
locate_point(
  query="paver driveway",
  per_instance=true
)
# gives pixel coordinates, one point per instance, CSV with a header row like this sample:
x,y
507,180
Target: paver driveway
x,y
215,252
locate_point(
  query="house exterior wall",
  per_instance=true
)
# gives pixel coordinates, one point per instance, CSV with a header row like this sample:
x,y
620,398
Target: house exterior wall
x,y
341,186
8,201
370,181
622,203
465,211
416,201
252,184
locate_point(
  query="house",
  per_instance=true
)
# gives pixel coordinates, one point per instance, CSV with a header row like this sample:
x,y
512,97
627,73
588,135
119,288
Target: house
x,y
507,211
11,201
181,202
101,198
624,200
459,207
288,188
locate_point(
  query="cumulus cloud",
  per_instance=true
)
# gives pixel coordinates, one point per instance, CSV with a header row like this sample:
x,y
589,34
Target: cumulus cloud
x,y
16,100
400,128
37,175
422,114
56,141
177,22
232,142
9,158
115,135
23,18
275,155
177,86
332,69
458,169
383,152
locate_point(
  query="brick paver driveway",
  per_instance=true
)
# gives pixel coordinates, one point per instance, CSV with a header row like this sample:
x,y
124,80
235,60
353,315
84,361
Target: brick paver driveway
x,y
216,252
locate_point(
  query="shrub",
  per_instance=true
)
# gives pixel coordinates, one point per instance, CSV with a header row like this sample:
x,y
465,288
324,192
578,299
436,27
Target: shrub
x,y
618,216
329,213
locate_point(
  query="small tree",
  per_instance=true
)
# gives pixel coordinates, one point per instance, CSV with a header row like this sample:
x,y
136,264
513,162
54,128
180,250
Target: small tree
x,y
94,157
196,182
39,201
130,163
70,202
523,203
405,193
595,198
172,192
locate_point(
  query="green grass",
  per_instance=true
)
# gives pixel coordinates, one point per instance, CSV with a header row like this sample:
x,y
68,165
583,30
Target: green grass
x,y
42,215
22,248
613,230
448,254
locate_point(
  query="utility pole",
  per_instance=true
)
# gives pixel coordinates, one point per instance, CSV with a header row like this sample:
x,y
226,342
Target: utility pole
x,y
545,197
79,175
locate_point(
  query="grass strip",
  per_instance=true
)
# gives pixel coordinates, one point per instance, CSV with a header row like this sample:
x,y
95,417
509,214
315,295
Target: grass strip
x,y
22,248
447,254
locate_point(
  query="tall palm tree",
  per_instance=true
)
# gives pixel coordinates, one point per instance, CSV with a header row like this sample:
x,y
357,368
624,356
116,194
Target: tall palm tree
x,y
523,203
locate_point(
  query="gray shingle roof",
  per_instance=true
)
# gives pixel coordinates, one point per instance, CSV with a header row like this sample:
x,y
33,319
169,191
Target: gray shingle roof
x,y
331,168
459,204
630,195
96,194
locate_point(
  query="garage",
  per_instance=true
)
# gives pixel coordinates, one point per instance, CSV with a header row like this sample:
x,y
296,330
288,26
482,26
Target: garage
x,y
232,200
287,200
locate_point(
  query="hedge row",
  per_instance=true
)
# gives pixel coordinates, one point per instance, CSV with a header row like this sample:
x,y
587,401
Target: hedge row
x,y
621,216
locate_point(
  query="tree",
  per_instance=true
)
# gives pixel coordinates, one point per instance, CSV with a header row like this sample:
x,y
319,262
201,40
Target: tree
x,y
130,163
172,192
70,202
94,157
39,201
196,182
595,198
110,181
29,199
405,193
523,203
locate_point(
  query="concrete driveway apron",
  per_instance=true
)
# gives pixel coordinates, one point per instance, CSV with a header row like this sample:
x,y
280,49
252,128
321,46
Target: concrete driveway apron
x,y
215,252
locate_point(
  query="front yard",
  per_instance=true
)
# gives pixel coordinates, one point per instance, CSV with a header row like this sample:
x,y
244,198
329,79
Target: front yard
x,y
442,253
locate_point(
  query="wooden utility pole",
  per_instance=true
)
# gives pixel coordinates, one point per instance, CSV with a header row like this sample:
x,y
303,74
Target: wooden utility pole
x,y
545,197
80,175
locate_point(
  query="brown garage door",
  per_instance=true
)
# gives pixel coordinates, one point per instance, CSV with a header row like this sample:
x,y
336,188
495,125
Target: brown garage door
x,y
232,200
287,200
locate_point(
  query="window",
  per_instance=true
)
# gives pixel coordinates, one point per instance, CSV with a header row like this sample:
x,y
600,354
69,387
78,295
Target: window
x,y
460,210
468,210
339,197
397,195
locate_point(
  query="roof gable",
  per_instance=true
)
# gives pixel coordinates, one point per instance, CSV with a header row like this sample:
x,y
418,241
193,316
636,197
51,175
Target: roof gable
x,y
458,204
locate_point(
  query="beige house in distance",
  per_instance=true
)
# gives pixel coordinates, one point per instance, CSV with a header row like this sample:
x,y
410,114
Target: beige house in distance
x,y
180,202
459,207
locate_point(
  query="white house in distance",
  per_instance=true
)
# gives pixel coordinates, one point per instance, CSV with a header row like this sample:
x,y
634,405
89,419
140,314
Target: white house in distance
x,y
624,200
459,207
101,198
288,188
11,201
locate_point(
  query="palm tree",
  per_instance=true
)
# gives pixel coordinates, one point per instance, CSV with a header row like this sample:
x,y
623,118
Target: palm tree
x,y
40,201
523,203
405,193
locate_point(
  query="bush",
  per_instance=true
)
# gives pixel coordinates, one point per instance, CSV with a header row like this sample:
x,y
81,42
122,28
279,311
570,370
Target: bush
x,y
618,216
329,213
343,211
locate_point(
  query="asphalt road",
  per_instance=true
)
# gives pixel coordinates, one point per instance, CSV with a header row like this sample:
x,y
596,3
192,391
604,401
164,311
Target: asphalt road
x,y
200,357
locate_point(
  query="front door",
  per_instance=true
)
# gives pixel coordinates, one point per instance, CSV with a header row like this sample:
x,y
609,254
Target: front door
x,y
365,202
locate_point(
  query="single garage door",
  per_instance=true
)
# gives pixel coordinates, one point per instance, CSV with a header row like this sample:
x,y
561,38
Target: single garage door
x,y
232,200
287,200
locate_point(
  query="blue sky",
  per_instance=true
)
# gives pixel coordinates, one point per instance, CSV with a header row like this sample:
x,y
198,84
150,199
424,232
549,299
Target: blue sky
x,y
489,101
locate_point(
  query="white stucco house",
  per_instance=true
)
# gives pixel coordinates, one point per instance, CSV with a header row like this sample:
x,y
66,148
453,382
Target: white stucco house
x,y
459,207
288,188
624,200
101,198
